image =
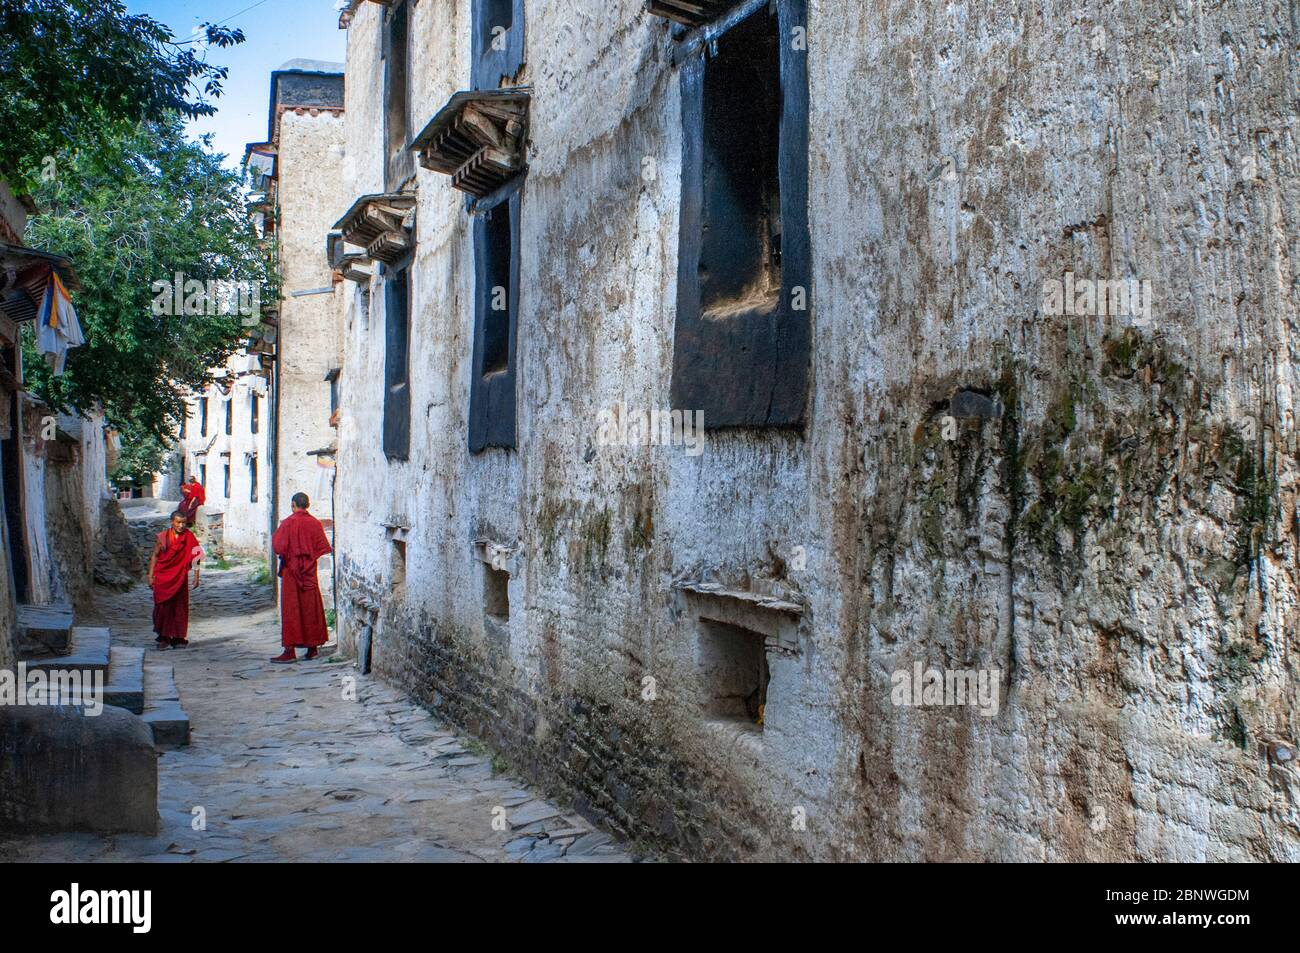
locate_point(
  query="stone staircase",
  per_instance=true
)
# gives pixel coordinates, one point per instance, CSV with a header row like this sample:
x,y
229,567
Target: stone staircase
x,y
144,689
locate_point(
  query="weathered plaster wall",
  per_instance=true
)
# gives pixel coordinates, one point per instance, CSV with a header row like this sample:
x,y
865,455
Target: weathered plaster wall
x,y
312,194
1119,544
74,489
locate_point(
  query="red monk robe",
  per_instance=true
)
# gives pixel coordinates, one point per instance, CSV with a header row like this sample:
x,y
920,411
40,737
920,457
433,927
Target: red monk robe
x,y
299,542
192,497
174,552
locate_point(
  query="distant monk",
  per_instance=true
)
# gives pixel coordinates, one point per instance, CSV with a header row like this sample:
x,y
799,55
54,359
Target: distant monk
x,y
174,551
299,542
192,497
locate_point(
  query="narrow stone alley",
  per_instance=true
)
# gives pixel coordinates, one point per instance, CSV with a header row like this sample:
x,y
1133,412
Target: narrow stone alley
x,y
283,767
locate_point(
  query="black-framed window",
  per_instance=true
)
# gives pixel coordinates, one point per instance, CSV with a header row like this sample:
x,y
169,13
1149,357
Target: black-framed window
x,y
253,411
397,341
399,163
203,475
496,309
230,417
226,480
742,343
497,47
252,479
203,416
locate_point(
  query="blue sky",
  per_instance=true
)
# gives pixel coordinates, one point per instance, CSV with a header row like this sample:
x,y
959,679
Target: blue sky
x,y
275,31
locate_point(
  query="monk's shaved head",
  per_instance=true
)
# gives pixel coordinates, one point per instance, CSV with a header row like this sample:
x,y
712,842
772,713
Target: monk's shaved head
x,y
300,500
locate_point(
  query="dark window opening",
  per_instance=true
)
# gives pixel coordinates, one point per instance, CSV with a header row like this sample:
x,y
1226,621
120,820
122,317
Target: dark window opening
x,y
252,480
733,671
740,247
496,593
742,341
396,45
253,422
496,42
397,394
203,416
492,410
398,567
495,19
497,267
203,475
185,417
230,418
226,478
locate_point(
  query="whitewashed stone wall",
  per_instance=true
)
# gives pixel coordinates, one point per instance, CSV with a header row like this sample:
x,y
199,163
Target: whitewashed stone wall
x,y
1119,545
312,195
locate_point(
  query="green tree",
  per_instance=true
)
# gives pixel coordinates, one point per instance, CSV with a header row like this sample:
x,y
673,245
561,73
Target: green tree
x,y
70,69
152,205
142,456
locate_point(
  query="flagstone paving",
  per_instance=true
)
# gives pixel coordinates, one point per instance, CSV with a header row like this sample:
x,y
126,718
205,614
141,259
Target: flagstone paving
x,y
283,767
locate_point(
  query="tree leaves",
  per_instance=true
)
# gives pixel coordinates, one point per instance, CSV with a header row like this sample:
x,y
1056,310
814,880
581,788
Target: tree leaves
x,y
149,206
71,67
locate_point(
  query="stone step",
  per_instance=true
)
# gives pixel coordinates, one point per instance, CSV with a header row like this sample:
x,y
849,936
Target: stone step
x,y
162,706
124,686
88,652
43,630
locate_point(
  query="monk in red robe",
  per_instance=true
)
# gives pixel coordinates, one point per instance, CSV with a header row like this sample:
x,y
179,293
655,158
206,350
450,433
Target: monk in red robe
x,y
192,497
175,550
299,541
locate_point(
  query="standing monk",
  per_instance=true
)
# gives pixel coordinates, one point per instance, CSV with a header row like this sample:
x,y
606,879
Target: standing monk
x,y
192,497
299,541
174,551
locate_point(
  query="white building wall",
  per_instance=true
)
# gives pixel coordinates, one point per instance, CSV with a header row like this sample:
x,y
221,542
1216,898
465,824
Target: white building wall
x,y
951,176
245,522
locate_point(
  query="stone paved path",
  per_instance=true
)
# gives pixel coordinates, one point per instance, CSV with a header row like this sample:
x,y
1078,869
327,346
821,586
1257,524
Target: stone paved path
x,y
286,769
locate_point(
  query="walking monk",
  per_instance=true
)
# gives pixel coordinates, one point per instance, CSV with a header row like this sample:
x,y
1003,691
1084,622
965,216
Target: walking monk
x,y
192,497
299,541
174,551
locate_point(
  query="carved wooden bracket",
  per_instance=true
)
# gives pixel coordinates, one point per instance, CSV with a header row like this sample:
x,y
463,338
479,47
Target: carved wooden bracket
x,y
380,224
477,139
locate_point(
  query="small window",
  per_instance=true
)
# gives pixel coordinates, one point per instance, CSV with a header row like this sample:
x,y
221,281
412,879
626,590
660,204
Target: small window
x,y
203,416
253,409
203,475
185,417
496,594
734,673
397,569
226,468
252,479
230,418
